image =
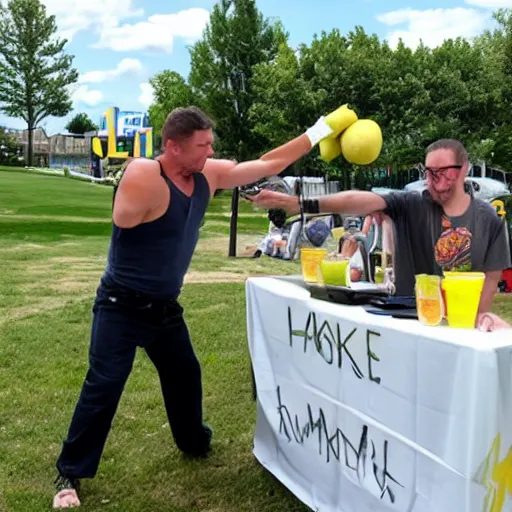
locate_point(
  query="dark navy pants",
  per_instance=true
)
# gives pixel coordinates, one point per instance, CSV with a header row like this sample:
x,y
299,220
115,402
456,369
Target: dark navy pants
x,y
122,322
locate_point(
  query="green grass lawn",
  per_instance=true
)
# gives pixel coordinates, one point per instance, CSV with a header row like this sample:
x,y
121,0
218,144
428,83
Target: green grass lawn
x,y
53,243
54,235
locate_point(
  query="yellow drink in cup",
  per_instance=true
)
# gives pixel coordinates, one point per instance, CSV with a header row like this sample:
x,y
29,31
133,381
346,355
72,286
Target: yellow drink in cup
x,y
462,291
310,259
334,272
429,300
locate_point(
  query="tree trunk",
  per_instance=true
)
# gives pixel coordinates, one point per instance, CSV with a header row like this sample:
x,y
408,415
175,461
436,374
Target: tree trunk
x,y
30,151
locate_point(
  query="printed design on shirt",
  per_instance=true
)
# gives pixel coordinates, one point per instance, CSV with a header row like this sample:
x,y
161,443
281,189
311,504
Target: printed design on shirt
x,y
453,249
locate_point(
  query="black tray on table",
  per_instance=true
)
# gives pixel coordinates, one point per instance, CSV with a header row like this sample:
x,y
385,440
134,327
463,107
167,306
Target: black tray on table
x,y
395,306
374,301
344,294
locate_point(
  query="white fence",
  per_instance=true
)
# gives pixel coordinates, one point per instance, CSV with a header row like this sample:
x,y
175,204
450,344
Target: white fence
x,y
321,189
313,186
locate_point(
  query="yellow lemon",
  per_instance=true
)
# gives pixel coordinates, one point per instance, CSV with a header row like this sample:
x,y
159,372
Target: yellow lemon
x,y
340,119
330,149
361,142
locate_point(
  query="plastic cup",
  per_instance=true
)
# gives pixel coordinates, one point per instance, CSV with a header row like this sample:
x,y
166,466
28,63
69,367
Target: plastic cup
x,y
337,233
463,291
379,275
429,300
310,259
334,272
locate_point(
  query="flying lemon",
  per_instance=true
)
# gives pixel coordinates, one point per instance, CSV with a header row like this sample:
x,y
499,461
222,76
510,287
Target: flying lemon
x,y
330,149
361,142
340,120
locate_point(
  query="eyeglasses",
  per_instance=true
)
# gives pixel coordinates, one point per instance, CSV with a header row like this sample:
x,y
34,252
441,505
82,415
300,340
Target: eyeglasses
x,y
442,171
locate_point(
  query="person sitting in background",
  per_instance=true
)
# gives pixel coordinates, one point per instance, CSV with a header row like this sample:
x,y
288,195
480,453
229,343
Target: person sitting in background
x,y
275,243
376,231
286,238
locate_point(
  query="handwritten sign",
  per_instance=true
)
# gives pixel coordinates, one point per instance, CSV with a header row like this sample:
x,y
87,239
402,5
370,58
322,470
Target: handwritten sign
x,y
359,457
360,413
332,345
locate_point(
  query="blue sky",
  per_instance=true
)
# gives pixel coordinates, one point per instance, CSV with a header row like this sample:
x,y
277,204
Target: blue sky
x,y
119,44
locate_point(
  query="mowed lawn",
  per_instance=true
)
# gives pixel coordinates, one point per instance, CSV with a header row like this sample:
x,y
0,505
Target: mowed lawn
x,y
54,235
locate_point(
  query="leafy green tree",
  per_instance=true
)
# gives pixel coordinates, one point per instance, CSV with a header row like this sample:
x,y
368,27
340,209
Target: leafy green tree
x,y
496,50
283,103
297,87
237,38
35,72
261,92
10,150
170,91
80,124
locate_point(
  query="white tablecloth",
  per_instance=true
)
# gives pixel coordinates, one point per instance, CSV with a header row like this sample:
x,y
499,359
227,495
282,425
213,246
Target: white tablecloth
x,y
360,412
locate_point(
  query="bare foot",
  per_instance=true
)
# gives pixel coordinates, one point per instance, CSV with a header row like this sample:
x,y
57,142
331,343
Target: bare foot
x,y
67,498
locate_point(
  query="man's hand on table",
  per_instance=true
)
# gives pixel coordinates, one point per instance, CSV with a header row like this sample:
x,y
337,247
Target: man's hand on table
x,y
489,322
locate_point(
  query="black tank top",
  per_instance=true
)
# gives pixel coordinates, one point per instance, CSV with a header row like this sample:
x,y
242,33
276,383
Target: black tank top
x,y
152,259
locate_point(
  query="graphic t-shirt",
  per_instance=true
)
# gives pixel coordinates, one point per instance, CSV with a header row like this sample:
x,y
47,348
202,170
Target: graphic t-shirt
x,y
428,242
453,248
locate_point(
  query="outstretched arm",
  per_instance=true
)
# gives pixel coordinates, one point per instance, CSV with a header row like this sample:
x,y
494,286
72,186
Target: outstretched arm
x,y
355,202
269,164
224,175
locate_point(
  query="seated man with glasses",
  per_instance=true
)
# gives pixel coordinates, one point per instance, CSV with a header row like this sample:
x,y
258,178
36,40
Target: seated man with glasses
x,y
442,228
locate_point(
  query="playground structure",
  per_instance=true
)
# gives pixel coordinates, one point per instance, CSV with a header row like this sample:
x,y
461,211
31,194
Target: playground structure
x,y
122,134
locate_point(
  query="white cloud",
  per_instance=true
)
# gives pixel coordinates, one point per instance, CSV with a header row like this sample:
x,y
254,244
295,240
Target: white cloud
x,y
433,26
146,97
90,97
125,68
157,33
490,4
74,16
106,17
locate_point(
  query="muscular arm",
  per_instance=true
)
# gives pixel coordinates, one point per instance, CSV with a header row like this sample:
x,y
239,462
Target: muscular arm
x,y
139,193
223,174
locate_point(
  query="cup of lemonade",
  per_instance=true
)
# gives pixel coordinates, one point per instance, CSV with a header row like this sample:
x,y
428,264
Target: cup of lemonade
x,y
429,299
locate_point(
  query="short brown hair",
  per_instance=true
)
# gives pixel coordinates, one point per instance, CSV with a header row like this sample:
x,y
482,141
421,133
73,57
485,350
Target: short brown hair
x,y
458,149
182,122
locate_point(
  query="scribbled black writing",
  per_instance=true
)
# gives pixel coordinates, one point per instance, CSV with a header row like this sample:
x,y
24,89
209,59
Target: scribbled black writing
x,y
333,345
336,446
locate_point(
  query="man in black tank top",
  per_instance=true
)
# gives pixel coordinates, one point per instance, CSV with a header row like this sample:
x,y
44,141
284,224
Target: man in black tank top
x,y
157,212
